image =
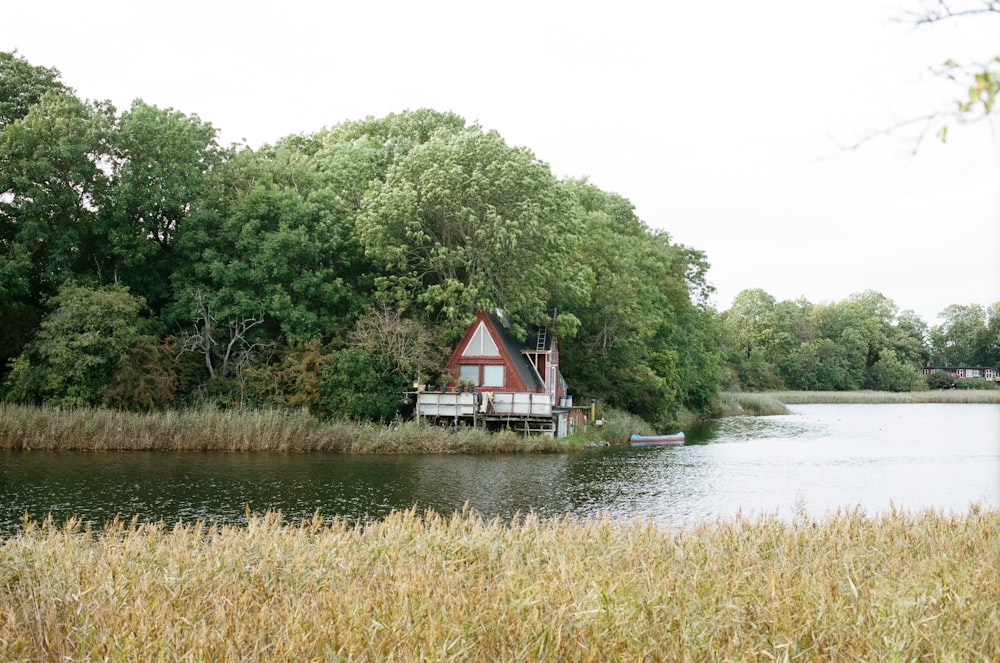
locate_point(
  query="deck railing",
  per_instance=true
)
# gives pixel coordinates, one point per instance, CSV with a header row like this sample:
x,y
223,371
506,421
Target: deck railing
x,y
484,404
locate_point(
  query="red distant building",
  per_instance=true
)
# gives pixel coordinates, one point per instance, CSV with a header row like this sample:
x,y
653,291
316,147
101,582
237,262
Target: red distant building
x,y
965,372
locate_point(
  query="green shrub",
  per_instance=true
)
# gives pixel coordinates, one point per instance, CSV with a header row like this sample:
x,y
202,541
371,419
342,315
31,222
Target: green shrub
x,y
940,380
144,379
359,385
976,383
85,334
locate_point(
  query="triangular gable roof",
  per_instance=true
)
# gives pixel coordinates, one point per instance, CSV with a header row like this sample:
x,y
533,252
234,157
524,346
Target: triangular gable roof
x,y
489,336
529,376
482,343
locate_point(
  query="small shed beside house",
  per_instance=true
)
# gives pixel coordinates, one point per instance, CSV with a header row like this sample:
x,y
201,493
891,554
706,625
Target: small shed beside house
x,y
496,381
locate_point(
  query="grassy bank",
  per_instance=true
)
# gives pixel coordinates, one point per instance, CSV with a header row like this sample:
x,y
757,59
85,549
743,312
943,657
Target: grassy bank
x,y
986,396
736,404
773,403
422,587
24,427
41,428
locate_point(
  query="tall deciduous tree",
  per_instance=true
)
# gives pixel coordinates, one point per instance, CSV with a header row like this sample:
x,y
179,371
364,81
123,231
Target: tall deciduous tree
x,y
51,179
72,358
963,338
752,320
267,238
645,335
464,222
158,165
992,348
22,85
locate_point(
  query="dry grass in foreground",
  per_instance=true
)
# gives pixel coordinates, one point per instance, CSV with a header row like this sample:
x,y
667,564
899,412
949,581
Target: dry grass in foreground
x,y
422,587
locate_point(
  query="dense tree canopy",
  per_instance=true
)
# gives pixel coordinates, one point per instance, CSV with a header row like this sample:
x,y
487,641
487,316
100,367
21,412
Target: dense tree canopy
x,y
862,342
645,340
463,222
372,241
22,85
143,266
80,341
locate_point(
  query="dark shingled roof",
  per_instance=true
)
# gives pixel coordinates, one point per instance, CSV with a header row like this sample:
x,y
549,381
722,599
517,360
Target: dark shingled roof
x,y
516,349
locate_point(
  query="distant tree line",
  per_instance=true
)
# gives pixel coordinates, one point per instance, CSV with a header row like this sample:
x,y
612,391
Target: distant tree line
x,y
143,265
862,342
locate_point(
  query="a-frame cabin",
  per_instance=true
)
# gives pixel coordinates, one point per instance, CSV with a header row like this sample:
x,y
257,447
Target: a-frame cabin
x,y
497,381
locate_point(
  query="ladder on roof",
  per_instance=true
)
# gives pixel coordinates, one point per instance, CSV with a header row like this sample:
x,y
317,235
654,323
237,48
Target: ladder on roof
x,y
542,340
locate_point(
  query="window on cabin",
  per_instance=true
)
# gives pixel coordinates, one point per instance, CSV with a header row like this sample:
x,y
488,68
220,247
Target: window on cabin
x,y
469,372
482,375
492,375
481,344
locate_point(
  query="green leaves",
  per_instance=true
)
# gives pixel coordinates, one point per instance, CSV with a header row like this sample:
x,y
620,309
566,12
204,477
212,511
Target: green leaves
x,y
643,343
267,236
862,342
23,85
359,385
244,254
80,341
967,336
463,222
982,84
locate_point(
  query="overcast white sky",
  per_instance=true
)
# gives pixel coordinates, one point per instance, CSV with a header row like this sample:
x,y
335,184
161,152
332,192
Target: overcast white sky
x,y
721,121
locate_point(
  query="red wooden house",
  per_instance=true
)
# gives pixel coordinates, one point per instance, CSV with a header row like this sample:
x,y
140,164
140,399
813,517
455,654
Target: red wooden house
x,y
496,381
965,372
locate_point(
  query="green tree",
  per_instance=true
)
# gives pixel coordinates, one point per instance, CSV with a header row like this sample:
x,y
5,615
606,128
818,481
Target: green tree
x,y
158,162
266,241
821,365
359,385
22,85
963,338
51,182
71,359
864,326
752,329
376,144
464,222
910,339
751,319
51,178
991,348
890,374
646,336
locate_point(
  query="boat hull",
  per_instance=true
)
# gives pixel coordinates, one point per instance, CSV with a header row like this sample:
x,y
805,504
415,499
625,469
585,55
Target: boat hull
x,y
656,440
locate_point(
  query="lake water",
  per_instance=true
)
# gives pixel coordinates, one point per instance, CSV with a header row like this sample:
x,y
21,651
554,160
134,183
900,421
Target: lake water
x,y
819,459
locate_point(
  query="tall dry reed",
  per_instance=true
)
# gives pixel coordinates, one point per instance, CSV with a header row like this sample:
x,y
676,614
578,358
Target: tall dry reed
x,y
851,587
753,404
33,428
974,396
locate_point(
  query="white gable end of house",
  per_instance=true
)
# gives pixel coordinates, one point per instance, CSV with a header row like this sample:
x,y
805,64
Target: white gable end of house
x,y
481,344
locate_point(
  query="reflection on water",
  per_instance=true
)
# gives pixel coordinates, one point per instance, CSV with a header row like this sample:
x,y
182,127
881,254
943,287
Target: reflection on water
x,y
818,459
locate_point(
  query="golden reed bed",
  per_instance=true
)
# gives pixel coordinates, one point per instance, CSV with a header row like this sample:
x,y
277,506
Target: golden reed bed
x,y
850,587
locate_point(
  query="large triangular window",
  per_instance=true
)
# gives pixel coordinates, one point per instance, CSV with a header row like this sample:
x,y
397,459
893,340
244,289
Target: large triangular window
x,y
481,344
